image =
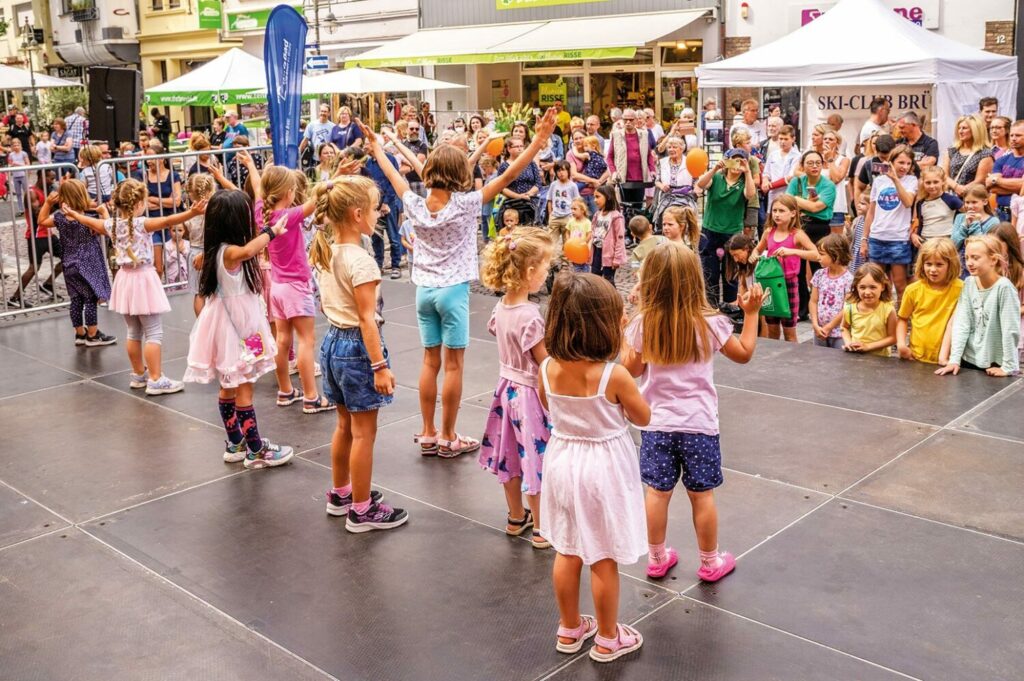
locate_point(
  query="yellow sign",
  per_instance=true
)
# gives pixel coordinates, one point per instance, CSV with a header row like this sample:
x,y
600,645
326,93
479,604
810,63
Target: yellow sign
x,y
549,93
527,4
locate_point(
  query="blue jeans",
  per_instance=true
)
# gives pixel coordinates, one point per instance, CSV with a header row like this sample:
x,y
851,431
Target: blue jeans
x,y
394,238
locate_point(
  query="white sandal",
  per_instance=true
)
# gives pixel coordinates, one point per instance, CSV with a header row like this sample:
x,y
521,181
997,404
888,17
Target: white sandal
x,y
449,449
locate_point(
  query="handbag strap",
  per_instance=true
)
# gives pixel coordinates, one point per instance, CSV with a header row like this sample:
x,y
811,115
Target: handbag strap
x,y
964,166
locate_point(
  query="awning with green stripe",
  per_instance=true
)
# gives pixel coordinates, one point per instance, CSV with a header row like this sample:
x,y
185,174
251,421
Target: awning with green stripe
x,y
608,37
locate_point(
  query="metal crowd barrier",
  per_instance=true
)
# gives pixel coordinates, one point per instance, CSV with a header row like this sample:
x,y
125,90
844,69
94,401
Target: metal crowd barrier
x,y
18,255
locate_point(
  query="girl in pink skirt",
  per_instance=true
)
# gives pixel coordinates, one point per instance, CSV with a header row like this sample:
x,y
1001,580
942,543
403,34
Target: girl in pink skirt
x,y
516,433
231,340
137,292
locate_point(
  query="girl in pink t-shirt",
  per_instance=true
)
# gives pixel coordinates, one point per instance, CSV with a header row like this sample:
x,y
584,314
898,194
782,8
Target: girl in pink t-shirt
x,y
671,343
516,433
292,301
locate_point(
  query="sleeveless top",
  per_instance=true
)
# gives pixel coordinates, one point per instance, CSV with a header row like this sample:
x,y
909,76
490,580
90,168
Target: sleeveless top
x,y
591,418
790,263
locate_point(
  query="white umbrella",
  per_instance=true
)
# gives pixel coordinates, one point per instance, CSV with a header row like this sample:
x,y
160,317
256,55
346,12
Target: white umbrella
x,y
359,81
20,79
225,80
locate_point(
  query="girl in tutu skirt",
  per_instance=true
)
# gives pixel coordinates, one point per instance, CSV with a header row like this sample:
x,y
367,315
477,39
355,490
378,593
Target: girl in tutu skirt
x,y
593,503
516,433
231,340
137,293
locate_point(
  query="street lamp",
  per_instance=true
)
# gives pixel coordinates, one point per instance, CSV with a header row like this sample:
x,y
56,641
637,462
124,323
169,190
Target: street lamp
x,y
30,45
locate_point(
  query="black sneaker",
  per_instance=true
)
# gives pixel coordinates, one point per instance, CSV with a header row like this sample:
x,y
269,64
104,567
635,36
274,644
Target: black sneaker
x,y
379,516
99,339
20,304
80,338
338,505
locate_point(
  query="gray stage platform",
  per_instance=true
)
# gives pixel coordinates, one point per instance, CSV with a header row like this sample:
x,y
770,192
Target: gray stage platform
x,y
876,511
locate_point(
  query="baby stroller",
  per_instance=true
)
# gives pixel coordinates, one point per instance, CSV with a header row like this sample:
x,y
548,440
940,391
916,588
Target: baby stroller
x,y
632,200
678,196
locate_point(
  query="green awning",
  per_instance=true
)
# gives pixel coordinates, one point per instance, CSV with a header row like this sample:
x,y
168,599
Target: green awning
x,y
606,37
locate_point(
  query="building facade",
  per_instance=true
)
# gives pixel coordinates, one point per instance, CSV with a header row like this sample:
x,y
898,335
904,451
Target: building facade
x,y
95,32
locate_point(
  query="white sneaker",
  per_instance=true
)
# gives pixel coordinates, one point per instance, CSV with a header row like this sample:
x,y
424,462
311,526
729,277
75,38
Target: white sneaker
x,y
138,381
164,386
293,368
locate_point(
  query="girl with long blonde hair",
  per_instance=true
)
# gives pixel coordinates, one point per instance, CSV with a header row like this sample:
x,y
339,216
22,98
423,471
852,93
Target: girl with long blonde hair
x,y
671,344
357,373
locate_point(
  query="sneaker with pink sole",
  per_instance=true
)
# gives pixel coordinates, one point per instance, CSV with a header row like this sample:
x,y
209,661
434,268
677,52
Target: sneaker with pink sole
x,y
727,565
659,570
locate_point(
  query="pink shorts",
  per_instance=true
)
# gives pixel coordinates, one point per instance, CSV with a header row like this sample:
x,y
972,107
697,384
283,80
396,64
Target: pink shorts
x,y
290,299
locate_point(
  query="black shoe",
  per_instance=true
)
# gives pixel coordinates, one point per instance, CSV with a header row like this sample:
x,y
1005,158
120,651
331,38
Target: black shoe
x,y
47,289
379,516
99,339
14,302
80,338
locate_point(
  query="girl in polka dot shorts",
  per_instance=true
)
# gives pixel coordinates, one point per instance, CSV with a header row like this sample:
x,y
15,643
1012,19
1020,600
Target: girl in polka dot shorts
x,y
671,344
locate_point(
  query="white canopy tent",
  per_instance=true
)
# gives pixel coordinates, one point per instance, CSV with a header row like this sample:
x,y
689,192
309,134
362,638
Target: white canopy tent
x,y
861,43
227,79
20,79
358,81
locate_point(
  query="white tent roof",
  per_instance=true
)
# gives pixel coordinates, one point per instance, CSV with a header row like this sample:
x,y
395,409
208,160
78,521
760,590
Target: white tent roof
x,y
235,71
20,79
858,42
361,81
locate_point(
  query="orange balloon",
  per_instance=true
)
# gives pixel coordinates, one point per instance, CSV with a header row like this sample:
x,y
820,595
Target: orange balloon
x,y
577,251
992,202
697,162
495,147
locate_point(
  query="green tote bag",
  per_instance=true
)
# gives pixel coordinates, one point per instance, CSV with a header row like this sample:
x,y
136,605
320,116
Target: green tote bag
x,y
768,273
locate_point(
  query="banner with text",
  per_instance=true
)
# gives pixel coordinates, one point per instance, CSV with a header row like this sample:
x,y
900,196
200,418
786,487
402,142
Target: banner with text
x,y
921,12
284,52
854,105
527,4
210,13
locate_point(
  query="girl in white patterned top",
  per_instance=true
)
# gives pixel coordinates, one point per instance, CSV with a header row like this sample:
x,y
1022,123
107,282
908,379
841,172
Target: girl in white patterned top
x,y
446,223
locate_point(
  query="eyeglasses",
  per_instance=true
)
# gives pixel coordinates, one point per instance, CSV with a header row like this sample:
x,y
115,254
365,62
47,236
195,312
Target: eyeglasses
x,y
629,120
812,164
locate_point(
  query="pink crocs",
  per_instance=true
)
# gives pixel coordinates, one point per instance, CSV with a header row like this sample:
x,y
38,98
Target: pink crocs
x,y
727,565
659,570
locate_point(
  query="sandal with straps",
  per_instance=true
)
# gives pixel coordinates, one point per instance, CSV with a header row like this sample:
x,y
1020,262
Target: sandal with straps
x,y
627,639
521,525
427,443
586,629
449,449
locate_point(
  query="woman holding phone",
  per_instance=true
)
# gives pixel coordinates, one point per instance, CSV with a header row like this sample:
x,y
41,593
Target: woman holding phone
x,y
815,195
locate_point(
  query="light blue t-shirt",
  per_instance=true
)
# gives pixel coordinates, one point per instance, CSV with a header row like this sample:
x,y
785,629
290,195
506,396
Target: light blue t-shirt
x,y
318,133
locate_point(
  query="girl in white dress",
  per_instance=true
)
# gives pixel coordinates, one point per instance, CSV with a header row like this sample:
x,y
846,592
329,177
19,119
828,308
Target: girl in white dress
x,y
593,502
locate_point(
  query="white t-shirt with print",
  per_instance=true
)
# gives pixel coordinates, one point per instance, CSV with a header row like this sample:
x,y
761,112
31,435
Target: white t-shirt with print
x,y
445,240
892,216
133,237
561,195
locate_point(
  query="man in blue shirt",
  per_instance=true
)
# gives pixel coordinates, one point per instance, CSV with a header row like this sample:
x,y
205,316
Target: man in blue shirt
x,y
318,133
1006,177
391,206
233,129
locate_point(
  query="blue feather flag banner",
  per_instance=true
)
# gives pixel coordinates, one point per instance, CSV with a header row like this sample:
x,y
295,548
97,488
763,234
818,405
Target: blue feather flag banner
x,y
284,50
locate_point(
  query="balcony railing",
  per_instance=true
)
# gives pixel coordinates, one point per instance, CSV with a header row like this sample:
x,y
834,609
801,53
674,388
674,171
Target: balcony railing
x,y
84,10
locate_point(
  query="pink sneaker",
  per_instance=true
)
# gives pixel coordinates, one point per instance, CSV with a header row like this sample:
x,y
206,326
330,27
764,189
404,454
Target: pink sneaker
x,y
727,565
659,570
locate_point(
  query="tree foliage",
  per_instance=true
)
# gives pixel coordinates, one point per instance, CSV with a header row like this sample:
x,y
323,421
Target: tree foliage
x,y
60,102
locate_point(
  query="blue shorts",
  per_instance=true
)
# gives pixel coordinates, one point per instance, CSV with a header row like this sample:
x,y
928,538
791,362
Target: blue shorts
x,y
162,235
443,315
889,252
838,220
665,457
348,378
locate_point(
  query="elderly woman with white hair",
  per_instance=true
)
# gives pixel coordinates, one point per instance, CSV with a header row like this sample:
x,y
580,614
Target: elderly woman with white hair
x,y
673,180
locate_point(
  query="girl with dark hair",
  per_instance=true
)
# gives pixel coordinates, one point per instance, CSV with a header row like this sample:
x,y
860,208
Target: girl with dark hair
x,y
231,340
609,234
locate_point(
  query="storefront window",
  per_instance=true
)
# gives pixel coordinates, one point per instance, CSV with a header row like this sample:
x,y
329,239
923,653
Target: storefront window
x,y
608,90
684,52
788,101
678,91
570,88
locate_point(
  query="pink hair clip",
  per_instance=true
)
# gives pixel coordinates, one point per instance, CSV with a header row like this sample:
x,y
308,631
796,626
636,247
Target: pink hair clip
x,y
510,242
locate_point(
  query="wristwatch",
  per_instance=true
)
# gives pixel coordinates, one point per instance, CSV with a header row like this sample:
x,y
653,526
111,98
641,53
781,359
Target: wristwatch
x,y
269,232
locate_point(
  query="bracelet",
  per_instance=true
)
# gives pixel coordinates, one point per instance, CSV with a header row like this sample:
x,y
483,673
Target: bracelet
x,y
269,232
380,367
376,365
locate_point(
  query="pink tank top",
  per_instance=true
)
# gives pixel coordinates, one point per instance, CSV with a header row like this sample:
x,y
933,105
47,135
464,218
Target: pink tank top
x,y
790,263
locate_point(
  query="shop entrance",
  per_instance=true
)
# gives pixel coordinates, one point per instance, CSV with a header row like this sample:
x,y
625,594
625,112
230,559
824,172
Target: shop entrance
x,y
632,89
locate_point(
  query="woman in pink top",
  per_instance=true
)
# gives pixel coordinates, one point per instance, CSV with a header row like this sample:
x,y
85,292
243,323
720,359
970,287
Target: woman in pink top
x,y
516,433
671,344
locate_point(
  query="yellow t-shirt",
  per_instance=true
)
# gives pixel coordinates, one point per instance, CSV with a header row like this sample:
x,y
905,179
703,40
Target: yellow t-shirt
x,y
351,266
869,327
578,229
928,310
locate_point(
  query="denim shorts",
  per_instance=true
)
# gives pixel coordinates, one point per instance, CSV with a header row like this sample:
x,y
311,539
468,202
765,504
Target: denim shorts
x,y
160,236
667,457
348,378
888,252
443,315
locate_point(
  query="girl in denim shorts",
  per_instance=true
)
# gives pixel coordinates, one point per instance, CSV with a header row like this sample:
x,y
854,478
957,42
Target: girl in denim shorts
x,y
356,372
671,344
